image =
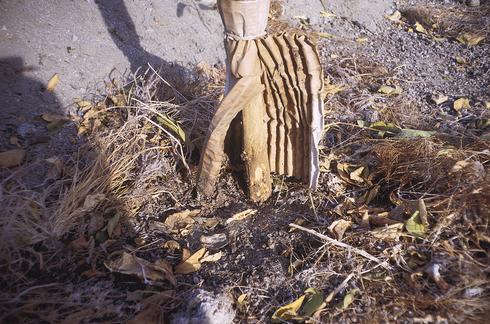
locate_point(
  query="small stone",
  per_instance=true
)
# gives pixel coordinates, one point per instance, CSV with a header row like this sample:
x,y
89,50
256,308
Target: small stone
x,y
206,308
473,3
214,242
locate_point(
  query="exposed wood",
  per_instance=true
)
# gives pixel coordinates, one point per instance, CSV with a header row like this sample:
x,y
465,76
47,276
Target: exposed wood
x,y
255,150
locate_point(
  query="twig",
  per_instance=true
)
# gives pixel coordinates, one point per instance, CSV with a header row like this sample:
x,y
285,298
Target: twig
x,y
363,253
338,289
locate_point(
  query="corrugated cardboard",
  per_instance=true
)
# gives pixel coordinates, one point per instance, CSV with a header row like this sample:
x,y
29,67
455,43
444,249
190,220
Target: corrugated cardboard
x,y
284,71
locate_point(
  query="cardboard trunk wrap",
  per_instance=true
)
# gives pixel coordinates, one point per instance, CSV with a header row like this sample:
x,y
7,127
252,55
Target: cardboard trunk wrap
x,y
277,83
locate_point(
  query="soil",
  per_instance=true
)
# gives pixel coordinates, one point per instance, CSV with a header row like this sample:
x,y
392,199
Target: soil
x,y
87,42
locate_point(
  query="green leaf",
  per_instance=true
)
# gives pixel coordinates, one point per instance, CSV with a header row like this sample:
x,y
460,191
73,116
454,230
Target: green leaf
x,y
349,298
314,302
414,225
172,126
414,133
385,127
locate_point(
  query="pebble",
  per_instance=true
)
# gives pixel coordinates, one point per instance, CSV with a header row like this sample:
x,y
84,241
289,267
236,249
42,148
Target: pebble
x,y
205,307
214,242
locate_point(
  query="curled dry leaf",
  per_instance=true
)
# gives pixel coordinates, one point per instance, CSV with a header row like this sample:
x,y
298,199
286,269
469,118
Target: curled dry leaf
x,y
420,28
339,227
389,90
326,35
241,215
171,245
470,39
211,257
326,13
349,299
91,201
461,103
181,219
192,264
132,265
241,301
53,82
313,303
84,105
414,225
439,98
12,158
389,233
395,17
50,118
289,311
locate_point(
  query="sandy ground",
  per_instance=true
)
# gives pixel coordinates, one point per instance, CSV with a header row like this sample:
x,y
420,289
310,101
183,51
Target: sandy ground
x,y
85,41
89,42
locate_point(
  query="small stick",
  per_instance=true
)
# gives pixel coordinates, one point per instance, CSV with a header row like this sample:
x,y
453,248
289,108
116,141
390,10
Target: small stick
x,y
343,245
339,288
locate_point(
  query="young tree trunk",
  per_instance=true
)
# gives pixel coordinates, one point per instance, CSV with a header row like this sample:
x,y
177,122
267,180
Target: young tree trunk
x,y
255,150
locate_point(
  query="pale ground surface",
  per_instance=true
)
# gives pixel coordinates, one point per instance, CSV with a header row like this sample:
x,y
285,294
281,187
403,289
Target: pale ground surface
x,y
89,42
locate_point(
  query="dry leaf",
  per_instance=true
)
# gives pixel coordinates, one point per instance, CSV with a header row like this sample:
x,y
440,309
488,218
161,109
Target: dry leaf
x,y
326,35
12,158
288,312
171,245
462,103
181,219
326,13
211,257
349,298
389,233
47,117
173,127
192,264
438,98
84,105
339,227
331,89
391,91
53,82
241,300
241,215
14,141
356,175
91,201
314,302
186,253
470,38
460,60
420,28
152,308
361,40
132,265
395,17
487,104
414,225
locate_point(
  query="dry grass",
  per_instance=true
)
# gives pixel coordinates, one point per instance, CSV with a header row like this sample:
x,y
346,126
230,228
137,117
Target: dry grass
x,y
54,244
451,21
